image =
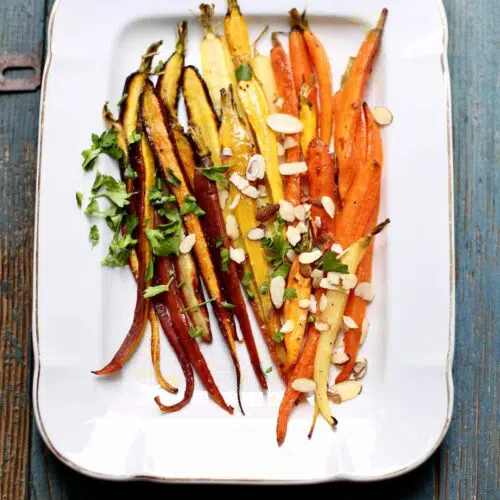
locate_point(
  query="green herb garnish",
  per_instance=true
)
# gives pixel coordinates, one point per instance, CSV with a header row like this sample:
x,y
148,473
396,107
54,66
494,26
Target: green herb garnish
x,y
278,336
129,172
290,293
151,291
227,305
79,199
190,206
172,178
122,99
331,262
195,307
224,257
215,174
94,235
244,72
135,136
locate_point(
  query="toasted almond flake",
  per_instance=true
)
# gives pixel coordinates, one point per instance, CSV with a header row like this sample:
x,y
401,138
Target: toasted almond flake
x,y
307,208
339,341
278,102
317,221
251,192
187,243
239,181
300,212
364,331
323,302
301,227
287,327
337,248
310,257
304,303
340,357
287,211
313,304
292,235
277,291
256,233
304,385
232,227
328,205
227,152
348,281
346,390
262,191
223,196
326,284
256,168
360,367
364,290
316,276
281,149
349,323
321,326
237,254
294,168
235,202
289,142
382,115
284,124
290,255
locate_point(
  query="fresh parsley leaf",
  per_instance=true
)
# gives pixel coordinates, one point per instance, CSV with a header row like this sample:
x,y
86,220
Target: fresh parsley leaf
x,y
172,178
170,212
215,174
112,189
278,336
159,67
195,307
277,247
135,136
219,241
331,262
191,207
150,270
281,270
163,244
224,256
119,250
79,199
244,72
114,221
194,333
130,173
94,235
89,157
104,143
247,279
264,288
250,293
92,207
311,319
131,222
181,284
122,99
268,370
290,293
152,291
227,305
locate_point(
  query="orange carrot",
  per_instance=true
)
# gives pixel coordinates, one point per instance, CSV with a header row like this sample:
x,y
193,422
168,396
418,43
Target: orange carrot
x,y
321,63
303,369
302,70
352,98
286,90
360,145
352,221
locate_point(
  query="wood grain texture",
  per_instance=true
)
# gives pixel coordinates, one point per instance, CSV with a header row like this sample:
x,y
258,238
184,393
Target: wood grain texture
x,y
21,31
467,464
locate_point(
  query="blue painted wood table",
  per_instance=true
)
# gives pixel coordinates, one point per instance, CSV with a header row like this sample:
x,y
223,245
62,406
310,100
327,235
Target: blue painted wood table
x,y
465,466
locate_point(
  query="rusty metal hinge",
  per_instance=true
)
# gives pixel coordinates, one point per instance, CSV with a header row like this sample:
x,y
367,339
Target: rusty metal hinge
x,y
21,61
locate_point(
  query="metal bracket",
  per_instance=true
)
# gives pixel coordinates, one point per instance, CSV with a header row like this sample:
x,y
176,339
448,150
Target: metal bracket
x,y
24,61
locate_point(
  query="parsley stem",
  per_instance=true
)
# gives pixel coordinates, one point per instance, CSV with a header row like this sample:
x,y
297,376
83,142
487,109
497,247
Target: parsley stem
x,y
197,306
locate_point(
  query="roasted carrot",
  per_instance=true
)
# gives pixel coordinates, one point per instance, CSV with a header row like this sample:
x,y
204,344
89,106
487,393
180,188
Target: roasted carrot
x,y
236,31
172,300
308,118
321,63
352,99
303,369
363,196
320,174
286,90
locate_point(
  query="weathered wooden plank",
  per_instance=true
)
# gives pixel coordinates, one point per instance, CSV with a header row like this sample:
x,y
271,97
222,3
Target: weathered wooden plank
x,y
20,32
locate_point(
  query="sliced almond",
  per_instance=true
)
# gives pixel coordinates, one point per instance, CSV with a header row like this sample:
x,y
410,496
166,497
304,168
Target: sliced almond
x,y
364,290
328,205
316,276
317,221
256,168
301,227
321,326
281,149
339,341
304,385
278,102
340,357
346,390
284,124
235,201
337,248
227,152
237,254
239,181
262,191
232,229
348,281
300,212
187,243
290,255
360,367
294,168
251,192
277,291
292,235
289,142
223,196
287,327
256,233
287,211
349,323
304,303
323,302
364,331
382,115
313,304
310,257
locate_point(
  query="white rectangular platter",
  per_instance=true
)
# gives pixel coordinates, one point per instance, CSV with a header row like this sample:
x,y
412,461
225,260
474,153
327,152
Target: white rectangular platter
x,y
111,428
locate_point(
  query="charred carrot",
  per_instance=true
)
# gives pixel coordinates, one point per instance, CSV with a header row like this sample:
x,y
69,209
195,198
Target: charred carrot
x,y
351,102
286,90
321,63
180,322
